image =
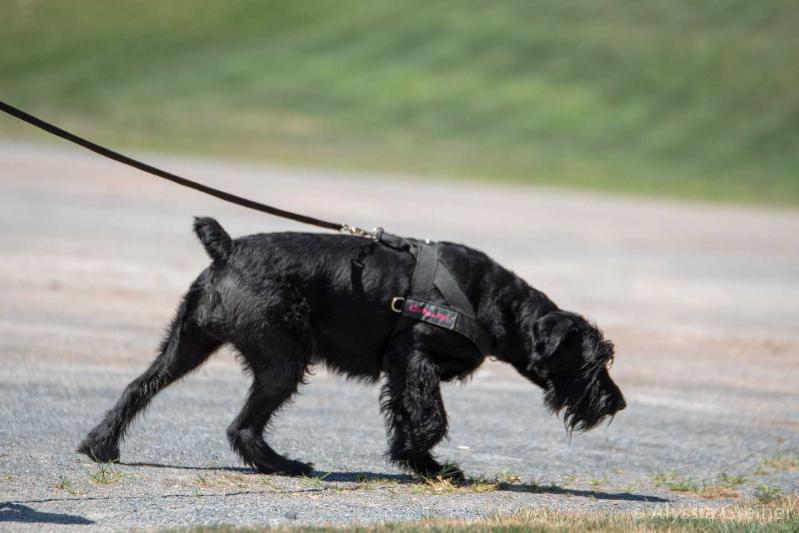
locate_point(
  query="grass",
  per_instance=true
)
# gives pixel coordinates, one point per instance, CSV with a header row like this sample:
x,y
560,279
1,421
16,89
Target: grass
x,y
727,486
779,516
106,474
677,98
732,480
779,463
502,480
65,484
674,481
596,484
315,482
367,482
441,485
767,494
508,478
227,479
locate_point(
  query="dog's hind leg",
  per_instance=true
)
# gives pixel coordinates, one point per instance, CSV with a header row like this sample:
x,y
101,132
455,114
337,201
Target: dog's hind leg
x,y
187,345
415,415
275,380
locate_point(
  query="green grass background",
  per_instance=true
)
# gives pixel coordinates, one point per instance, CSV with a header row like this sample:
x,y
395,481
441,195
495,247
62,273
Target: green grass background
x,y
695,99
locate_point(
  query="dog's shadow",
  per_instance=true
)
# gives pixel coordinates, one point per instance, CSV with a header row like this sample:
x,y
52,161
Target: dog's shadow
x,y
405,479
15,512
241,469
597,495
355,477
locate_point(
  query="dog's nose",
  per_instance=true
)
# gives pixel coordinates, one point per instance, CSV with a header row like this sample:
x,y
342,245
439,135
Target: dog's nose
x,y
621,405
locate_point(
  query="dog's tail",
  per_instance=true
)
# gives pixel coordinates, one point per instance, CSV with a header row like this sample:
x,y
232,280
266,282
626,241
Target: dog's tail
x,y
216,240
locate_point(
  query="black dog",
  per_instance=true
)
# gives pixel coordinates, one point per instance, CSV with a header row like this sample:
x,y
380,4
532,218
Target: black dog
x,y
286,301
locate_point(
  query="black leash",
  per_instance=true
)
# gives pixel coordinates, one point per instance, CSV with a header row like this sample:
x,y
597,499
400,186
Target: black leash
x,y
374,234
458,316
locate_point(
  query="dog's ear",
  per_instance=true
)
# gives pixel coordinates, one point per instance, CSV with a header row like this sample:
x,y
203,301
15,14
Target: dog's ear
x,y
557,343
550,331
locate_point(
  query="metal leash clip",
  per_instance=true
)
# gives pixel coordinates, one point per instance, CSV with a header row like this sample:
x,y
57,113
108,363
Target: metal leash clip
x,y
373,235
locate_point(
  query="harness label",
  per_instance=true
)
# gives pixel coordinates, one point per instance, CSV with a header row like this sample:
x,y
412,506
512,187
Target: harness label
x,y
427,312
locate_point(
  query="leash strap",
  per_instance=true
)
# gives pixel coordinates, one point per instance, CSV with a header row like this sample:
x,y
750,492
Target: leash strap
x,y
144,167
457,315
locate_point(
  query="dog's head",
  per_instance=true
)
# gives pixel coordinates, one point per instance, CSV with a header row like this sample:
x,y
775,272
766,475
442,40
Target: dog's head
x,y
570,359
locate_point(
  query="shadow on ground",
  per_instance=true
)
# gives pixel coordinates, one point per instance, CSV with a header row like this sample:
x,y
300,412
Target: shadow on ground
x,y
501,486
241,469
14,512
358,477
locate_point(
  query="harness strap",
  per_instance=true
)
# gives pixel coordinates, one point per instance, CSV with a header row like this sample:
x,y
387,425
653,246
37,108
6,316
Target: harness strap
x,y
425,273
451,291
457,315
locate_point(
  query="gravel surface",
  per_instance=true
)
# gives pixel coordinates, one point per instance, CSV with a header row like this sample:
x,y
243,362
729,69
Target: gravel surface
x,y
702,302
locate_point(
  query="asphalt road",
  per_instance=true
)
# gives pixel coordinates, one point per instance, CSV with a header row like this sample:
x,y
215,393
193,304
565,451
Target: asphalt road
x,y
702,302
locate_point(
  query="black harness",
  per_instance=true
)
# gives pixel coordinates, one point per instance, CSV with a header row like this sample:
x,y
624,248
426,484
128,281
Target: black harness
x,y
431,273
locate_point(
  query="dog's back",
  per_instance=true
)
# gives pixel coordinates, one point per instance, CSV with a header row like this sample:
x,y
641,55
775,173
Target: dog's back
x,y
329,291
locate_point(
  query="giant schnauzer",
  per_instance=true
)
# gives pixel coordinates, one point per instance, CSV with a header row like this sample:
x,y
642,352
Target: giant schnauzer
x,y
286,301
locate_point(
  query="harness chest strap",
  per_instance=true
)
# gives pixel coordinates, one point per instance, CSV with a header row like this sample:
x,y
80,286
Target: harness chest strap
x,y
457,315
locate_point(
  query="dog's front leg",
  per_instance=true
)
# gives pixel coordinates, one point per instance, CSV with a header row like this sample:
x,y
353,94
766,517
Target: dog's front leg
x,y
415,416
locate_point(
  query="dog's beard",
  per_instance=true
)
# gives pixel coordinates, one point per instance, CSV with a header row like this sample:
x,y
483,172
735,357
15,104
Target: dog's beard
x,y
583,400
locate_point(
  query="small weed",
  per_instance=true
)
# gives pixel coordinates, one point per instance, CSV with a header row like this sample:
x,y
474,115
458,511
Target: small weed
x,y
731,481
106,474
269,482
227,479
569,479
673,481
780,463
315,482
767,494
596,484
238,480
726,488
760,471
367,483
480,485
434,485
507,478
64,483
710,492
443,485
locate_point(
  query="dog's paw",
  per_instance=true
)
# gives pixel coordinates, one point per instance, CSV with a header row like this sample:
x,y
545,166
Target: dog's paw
x,y
296,468
426,467
452,472
97,452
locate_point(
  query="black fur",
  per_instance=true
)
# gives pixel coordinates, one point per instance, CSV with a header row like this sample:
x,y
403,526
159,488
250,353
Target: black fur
x,y
286,301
